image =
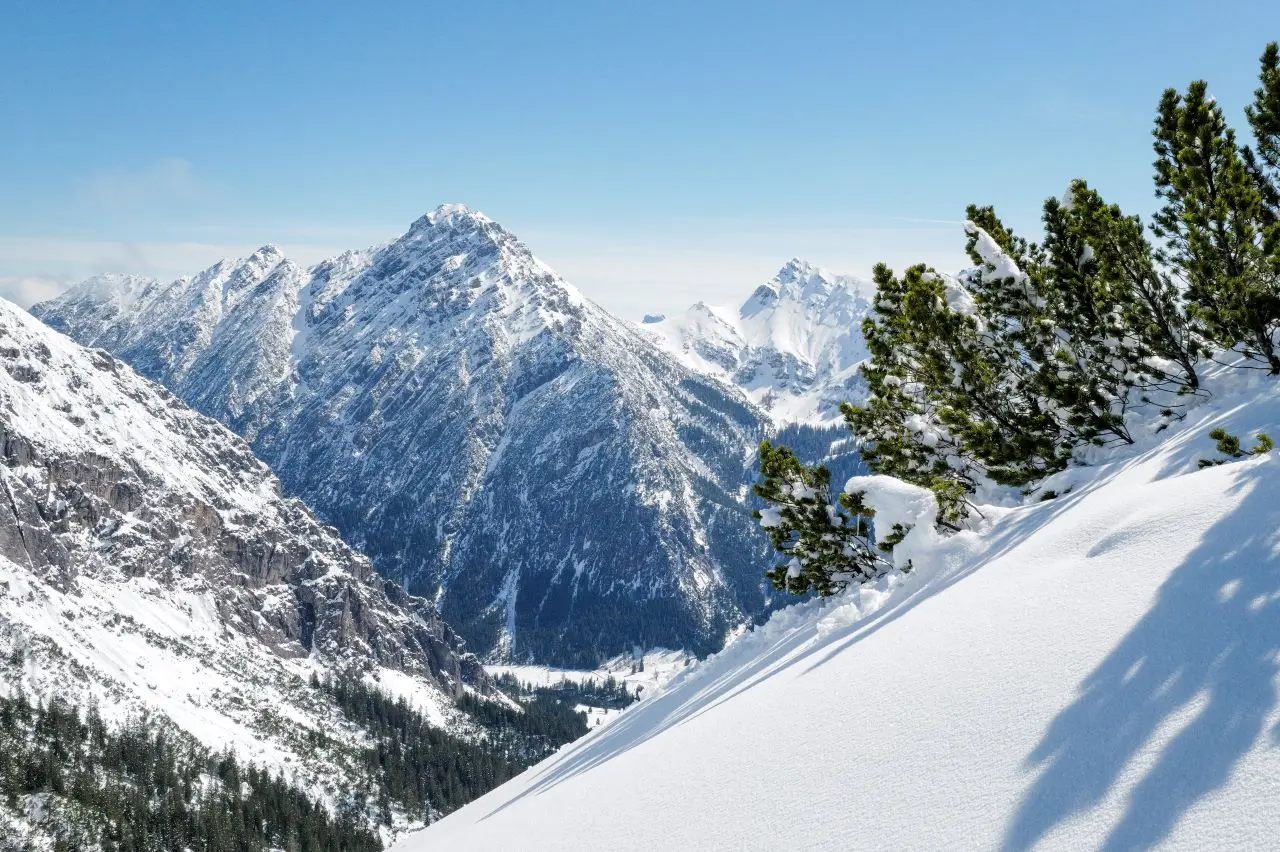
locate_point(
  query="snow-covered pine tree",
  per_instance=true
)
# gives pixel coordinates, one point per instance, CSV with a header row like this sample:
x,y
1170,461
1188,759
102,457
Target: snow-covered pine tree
x,y
1035,352
1220,236
1000,375
1023,435
911,337
825,539
1115,323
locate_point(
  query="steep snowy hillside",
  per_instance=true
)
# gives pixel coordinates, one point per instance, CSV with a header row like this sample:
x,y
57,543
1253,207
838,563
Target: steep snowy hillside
x,y
1099,670
149,562
481,430
793,347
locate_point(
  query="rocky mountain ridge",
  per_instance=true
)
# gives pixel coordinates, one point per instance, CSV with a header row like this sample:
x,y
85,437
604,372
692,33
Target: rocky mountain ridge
x,y
561,486
149,563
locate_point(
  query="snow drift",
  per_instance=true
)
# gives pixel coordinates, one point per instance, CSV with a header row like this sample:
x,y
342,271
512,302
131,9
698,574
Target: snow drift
x,y
1094,671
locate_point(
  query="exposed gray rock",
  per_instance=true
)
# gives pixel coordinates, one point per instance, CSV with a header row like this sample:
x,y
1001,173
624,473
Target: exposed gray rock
x,y
106,475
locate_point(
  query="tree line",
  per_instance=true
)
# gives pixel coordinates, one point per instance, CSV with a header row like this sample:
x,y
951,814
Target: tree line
x,y
144,786
429,771
608,693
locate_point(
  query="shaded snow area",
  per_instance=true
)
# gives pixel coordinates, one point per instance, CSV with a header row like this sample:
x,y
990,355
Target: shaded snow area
x,y
794,347
1097,670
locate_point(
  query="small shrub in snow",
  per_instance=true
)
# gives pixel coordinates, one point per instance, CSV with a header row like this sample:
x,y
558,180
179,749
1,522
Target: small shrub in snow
x,y
1229,446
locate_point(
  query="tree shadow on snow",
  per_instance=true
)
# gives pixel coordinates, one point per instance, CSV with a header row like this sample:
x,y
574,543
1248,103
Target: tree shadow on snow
x,y
1012,530
1207,650
686,701
673,707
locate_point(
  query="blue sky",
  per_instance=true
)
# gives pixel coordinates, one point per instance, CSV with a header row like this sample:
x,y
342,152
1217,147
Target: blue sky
x,y
655,153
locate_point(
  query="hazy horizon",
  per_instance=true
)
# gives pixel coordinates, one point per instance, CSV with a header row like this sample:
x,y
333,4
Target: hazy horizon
x,y
653,156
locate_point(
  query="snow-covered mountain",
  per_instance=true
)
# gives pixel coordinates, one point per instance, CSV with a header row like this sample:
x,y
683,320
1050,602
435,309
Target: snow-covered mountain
x,y
1096,671
462,414
794,346
148,561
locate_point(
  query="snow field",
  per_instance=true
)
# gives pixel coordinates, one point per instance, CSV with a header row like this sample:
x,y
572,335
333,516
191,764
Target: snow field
x,y
1099,670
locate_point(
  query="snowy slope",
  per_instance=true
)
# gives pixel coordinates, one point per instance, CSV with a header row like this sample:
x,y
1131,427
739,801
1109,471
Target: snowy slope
x,y
149,562
1095,671
464,416
793,347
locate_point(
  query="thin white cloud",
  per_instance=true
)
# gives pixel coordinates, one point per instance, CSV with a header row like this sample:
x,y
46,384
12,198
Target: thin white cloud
x,y
644,272
26,290
164,181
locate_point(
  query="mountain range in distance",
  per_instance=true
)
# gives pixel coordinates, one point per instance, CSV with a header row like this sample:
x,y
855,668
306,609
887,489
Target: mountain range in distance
x,y
562,483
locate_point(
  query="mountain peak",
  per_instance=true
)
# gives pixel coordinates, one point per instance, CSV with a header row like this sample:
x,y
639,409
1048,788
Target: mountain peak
x,y
798,281
793,346
796,268
451,355
451,215
801,280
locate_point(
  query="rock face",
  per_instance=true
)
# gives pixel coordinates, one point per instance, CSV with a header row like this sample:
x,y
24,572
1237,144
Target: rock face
x,y
559,484
793,347
109,480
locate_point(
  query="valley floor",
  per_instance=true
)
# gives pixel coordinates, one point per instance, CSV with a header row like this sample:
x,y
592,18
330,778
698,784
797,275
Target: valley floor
x,y
641,675
1099,670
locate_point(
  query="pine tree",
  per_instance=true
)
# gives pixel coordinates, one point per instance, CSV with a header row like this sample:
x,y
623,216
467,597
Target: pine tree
x,y
913,337
1219,234
1264,120
1150,301
1061,326
1005,372
825,539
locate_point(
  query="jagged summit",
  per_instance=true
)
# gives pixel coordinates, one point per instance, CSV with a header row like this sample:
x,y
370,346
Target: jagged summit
x,y
452,214
459,224
797,270
793,345
811,284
